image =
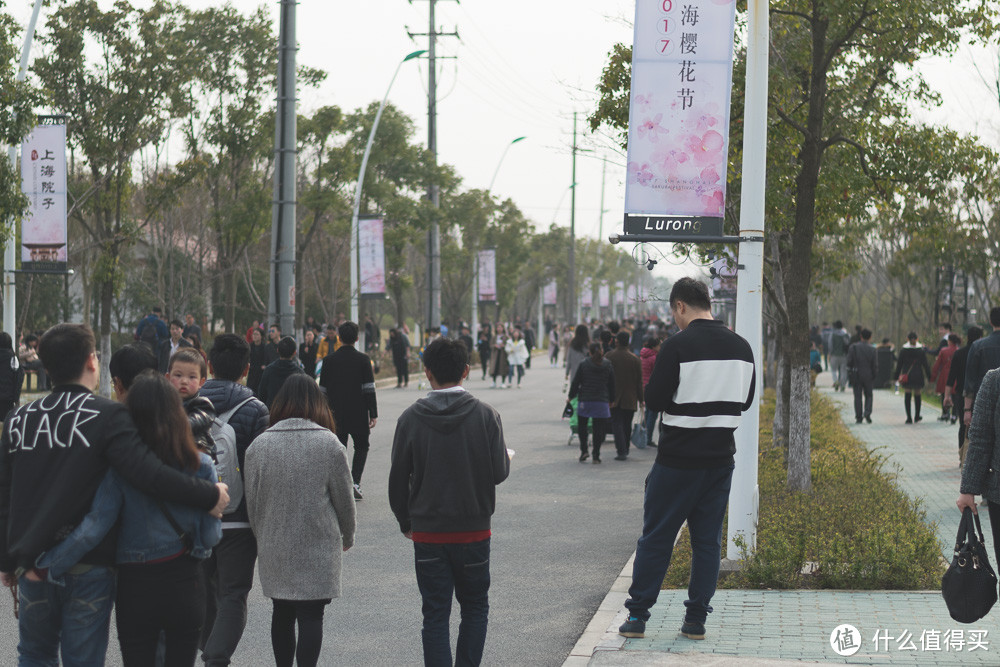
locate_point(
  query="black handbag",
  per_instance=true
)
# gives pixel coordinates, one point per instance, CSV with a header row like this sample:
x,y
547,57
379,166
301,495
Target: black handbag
x,y
969,586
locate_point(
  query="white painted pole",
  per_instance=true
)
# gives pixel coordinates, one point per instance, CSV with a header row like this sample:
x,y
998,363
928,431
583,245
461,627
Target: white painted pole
x,y
10,251
743,498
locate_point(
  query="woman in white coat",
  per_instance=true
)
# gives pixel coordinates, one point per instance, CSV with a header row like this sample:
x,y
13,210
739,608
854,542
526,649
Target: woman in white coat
x,y
301,504
517,355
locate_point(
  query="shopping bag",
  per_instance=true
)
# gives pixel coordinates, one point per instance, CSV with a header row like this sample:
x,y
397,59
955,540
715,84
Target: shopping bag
x,y
639,438
969,586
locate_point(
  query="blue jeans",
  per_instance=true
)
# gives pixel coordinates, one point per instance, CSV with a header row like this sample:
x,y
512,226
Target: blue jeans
x,y
672,496
75,617
462,569
652,430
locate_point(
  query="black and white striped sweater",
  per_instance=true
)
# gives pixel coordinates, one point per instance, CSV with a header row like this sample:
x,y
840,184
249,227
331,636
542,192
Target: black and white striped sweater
x,y
703,380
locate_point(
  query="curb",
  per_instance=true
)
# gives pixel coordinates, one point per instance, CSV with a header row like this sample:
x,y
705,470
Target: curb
x,y
601,633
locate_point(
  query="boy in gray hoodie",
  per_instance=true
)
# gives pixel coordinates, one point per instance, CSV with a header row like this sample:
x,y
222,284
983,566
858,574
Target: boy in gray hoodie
x,y
448,455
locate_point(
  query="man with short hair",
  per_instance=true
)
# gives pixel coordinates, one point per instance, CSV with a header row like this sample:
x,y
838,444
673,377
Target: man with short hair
x,y
984,356
271,346
703,380
839,342
278,371
349,384
861,357
448,455
54,453
232,561
126,364
628,392
191,327
171,345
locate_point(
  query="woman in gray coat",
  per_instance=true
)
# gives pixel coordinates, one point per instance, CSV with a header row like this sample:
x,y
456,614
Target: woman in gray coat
x,y
301,505
980,476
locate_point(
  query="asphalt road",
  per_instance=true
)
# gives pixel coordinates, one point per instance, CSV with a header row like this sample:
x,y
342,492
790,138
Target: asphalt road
x,y
561,533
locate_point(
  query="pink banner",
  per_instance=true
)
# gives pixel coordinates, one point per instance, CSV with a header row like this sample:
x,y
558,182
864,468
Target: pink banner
x,y
587,294
678,137
550,294
372,259
604,295
488,275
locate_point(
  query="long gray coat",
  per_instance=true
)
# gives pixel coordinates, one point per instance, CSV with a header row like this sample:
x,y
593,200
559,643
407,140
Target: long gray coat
x,y
300,500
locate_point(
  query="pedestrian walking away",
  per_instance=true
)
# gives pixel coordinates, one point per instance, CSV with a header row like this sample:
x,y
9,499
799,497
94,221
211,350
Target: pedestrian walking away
x,y
984,356
862,360
448,455
628,393
594,383
45,491
911,371
160,545
576,351
839,342
953,391
703,380
982,459
349,383
301,507
230,568
939,376
647,356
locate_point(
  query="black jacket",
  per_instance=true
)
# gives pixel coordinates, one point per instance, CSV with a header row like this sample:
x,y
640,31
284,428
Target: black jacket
x,y
349,383
258,362
913,362
448,455
861,356
11,379
163,358
307,356
274,377
593,382
248,422
54,453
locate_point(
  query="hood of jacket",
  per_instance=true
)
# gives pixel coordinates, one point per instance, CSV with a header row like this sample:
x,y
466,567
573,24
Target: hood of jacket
x,y
647,352
444,411
224,395
907,345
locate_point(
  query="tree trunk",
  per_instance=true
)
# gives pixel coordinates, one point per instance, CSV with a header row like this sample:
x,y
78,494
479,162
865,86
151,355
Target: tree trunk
x,y
779,429
799,456
107,297
231,282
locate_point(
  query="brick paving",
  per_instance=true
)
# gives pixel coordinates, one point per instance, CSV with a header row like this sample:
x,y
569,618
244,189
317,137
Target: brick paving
x,y
752,627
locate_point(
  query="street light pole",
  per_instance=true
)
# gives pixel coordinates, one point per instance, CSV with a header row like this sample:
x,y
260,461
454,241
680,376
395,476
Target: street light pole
x,y
355,286
10,251
475,250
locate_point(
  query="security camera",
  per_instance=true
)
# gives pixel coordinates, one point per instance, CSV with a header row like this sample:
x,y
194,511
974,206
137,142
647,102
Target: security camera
x,y
650,263
614,238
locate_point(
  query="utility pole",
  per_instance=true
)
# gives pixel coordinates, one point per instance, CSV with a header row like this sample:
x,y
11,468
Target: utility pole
x,y
433,191
604,178
572,234
281,296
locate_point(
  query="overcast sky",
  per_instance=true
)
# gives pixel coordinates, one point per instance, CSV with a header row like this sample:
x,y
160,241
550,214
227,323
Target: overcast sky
x,y
520,68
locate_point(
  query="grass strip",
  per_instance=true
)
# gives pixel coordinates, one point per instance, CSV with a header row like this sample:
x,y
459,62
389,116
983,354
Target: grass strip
x,y
856,530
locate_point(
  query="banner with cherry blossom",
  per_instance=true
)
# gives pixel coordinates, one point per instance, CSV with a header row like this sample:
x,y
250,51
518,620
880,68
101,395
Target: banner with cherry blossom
x,y
678,138
550,294
372,253
487,272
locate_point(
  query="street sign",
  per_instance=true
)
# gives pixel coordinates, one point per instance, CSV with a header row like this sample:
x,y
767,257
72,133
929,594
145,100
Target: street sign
x,y
674,226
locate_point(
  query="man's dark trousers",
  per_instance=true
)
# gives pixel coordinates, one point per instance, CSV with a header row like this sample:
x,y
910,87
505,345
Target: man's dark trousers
x,y
621,427
235,557
674,495
862,388
360,436
462,570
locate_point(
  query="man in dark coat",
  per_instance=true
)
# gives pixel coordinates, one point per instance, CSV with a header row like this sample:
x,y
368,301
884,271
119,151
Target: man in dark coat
x,y
278,371
628,392
862,358
271,346
349,384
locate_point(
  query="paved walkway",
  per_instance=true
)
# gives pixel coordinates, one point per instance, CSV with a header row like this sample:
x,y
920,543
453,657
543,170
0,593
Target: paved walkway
x,y
780,627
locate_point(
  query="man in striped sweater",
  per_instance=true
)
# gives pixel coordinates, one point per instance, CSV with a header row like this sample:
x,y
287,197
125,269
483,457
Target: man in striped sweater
x,y
702,382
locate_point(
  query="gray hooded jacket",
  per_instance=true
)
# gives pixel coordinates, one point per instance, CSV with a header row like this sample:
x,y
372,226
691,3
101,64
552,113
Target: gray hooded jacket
x,y
448,455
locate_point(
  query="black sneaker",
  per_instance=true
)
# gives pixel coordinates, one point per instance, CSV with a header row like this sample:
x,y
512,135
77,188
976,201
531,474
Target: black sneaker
x,y
868,419
584,457
621,457
597,459
693,630
357,492
633,627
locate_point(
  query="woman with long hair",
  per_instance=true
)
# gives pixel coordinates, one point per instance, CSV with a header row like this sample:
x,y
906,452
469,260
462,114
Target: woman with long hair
x,y
594,383
911,371
577,351
160,545
517,356
300,499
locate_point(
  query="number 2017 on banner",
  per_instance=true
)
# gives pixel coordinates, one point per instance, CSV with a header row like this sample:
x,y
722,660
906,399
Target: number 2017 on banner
x,y
665,26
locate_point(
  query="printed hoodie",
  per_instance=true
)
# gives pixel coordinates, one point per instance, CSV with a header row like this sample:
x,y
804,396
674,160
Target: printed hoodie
x,y
448,455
